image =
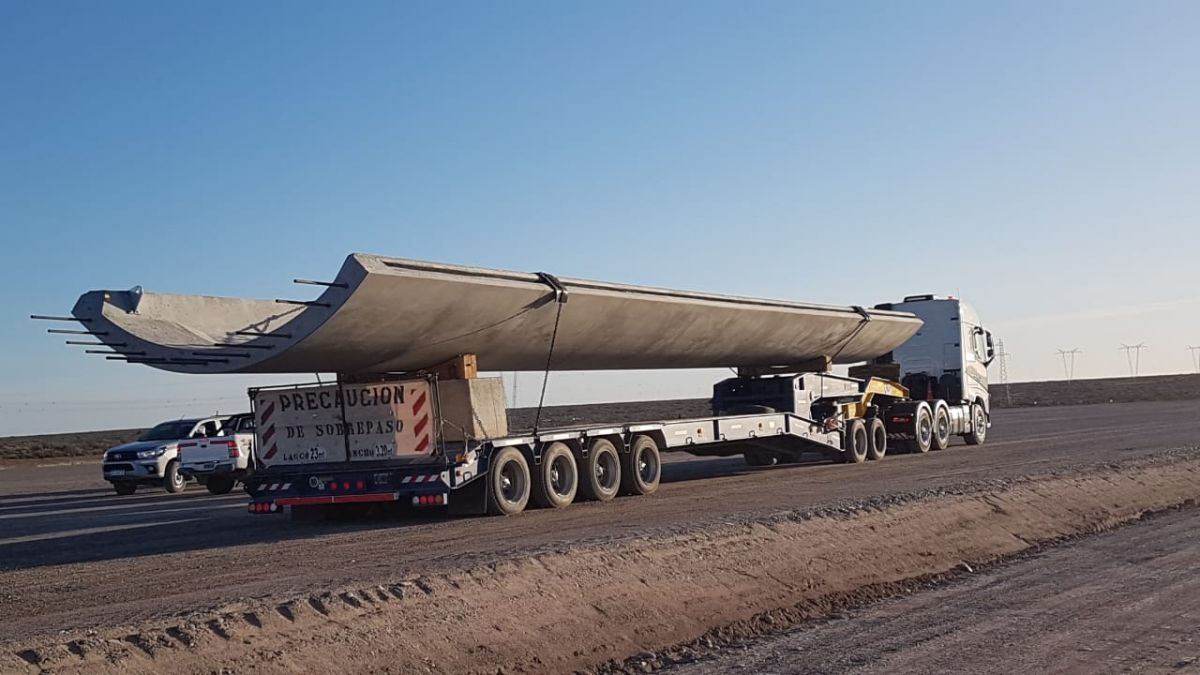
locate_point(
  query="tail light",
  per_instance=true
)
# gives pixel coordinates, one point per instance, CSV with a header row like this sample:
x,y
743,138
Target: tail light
x,y
233,449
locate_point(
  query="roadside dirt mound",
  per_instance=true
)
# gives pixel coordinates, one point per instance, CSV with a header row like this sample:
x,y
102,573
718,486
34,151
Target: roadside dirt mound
x,y
1107,390
583,607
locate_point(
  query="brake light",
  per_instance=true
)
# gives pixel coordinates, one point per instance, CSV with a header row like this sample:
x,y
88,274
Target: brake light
x,y
233,449
360,485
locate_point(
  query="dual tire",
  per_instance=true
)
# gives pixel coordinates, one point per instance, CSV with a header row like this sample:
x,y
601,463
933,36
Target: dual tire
x,y
865,439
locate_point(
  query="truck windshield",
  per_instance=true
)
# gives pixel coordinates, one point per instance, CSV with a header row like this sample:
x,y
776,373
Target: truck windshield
x,y
168,431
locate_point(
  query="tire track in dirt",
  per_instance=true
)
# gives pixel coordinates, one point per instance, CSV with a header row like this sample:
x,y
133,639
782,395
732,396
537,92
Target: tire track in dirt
x,y
584,606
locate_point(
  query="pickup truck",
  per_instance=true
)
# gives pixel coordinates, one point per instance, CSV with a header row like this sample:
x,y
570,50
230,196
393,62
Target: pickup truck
x,y
153,459
221,461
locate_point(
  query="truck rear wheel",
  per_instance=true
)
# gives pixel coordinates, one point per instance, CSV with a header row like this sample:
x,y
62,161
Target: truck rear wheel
x,y
220,485
978,433
509,476
602,471
941,426
856,442
876,439
556,478
922,431
173,481
641,467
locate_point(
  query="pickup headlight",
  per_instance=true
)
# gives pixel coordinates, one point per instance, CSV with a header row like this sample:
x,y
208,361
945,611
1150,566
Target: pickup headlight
x,y
151,454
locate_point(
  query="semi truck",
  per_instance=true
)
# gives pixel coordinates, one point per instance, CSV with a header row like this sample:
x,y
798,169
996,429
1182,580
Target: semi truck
x,y
439,437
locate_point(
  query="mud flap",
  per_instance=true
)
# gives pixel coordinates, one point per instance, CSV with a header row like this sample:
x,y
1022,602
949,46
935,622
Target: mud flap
x,y
471,499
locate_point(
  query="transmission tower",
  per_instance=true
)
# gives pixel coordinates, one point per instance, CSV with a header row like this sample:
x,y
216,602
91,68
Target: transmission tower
x,y
1068,358
1133,356
1195,357
1003,356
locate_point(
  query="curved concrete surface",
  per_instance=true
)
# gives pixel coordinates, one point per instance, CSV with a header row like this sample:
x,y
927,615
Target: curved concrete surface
x,y
391,315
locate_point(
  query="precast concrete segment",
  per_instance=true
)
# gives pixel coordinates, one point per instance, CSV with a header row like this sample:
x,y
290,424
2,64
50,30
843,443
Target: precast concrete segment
x,y
389,315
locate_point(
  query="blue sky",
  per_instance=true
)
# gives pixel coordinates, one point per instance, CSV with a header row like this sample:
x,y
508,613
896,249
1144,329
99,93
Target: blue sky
x,y
1040,159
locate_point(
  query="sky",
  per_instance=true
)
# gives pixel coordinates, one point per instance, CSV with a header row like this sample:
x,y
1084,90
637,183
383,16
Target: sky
x,y
1040,159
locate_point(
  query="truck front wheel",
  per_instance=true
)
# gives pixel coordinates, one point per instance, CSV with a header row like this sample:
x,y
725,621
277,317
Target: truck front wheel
x,y
978,432
556,478
509,476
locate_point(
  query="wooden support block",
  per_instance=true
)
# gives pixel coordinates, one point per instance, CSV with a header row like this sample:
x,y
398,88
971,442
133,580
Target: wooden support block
x,y
461,367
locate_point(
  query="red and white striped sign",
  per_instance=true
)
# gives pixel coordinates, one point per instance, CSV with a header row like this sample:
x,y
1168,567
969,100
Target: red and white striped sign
x,y
318,424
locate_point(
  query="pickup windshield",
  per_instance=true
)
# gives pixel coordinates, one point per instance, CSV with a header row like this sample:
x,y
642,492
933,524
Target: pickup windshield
x,y
168,431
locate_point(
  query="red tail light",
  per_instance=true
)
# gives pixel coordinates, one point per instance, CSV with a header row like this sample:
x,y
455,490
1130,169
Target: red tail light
x,y
333,485
360,485
233,449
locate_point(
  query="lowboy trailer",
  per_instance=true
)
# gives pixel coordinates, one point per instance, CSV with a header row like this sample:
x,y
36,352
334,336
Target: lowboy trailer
x,y
440,439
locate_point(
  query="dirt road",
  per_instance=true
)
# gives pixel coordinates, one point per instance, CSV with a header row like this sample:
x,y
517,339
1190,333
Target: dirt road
x,y
74,556
1124,601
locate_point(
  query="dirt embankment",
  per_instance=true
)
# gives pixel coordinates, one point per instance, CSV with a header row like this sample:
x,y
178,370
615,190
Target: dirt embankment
x,y
591,606
1107,390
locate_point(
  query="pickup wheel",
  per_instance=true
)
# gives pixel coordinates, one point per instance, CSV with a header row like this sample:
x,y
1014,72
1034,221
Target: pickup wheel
x,y
557,478
220,485
941,426
509,483
876,439
856,442
601,479
173,481
978,433
641,467
125,487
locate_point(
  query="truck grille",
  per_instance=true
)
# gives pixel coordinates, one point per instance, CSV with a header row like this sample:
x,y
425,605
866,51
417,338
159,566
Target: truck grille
x,y
126,467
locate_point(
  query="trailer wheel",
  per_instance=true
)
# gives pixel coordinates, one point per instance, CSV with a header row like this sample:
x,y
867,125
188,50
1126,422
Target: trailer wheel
x,y
941,426
760,458
876,439
601,478
509,476
978,433
641,467
556,478
856,442
220,485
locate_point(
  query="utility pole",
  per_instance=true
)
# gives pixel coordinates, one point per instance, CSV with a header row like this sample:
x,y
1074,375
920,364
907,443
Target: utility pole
x,y
1003,356
1068,357
1195,356
1133,356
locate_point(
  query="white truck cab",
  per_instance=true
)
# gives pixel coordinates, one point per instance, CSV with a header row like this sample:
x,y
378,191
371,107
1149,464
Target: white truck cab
x,y
153,459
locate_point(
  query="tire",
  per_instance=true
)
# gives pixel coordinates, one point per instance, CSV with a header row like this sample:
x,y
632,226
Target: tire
x,y
978,433
509,483
941,426
876,439
125,487
641,467
173,481
760,458
556,479
856,442
220,485
600,479
922,430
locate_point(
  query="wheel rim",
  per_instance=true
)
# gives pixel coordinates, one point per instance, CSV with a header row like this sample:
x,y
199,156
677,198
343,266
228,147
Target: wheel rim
x,y
176,478
980,424
647,466
512,483
606,470
925,431
562,478
943,426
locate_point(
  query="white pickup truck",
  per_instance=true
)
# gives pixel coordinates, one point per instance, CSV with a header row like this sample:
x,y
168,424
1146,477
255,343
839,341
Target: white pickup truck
x,y
219,462
153,459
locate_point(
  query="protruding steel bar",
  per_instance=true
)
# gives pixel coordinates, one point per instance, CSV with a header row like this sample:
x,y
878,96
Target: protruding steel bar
x,y
310,282
101,351
250,333
43,317
306,303
95,344
64,331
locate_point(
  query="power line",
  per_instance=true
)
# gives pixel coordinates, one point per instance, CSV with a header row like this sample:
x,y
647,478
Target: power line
x,y
1133,356
1068,359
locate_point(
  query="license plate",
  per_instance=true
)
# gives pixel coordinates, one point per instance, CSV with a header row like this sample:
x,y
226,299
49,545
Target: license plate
x,y
115,472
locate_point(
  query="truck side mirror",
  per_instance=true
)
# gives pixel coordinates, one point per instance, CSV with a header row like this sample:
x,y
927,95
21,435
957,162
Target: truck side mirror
x,y
991,347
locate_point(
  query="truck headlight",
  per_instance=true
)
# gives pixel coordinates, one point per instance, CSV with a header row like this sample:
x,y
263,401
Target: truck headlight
x,y
151,454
